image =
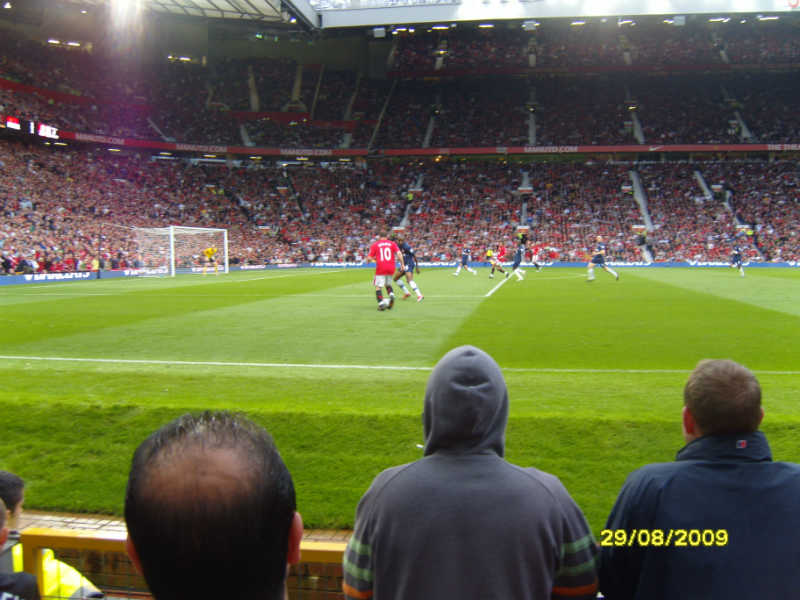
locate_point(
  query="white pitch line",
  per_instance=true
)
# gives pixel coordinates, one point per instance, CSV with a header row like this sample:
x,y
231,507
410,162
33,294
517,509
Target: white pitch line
x,y
497,287
198,363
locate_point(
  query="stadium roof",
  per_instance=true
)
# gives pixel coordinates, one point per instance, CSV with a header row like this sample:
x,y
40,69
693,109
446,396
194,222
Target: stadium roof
x,y
355,13
210,9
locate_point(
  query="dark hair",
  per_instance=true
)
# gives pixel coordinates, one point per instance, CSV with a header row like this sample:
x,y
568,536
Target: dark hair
x,y
724,398
209,505
12,488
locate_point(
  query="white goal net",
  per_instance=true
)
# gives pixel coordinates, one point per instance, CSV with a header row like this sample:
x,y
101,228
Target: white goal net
x,y
174,249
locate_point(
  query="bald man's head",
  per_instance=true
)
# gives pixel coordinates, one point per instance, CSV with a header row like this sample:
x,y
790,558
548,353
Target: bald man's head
x,y
209,507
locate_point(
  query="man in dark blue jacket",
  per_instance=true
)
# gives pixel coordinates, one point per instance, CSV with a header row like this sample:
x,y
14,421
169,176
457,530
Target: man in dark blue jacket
x,y
720,522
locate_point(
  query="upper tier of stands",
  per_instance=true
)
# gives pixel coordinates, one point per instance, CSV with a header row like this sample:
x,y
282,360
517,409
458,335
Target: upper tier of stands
x,y
593,84
580,45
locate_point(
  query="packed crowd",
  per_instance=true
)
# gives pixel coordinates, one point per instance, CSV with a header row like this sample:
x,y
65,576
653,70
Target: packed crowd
x,y
336,88
486,113
590,44
586,112
765,197
657,44
73,70
686,110
762,43
674,198
406,120
63,209
572,204
487,49
768,104
295,134
188,102
371,96
464,204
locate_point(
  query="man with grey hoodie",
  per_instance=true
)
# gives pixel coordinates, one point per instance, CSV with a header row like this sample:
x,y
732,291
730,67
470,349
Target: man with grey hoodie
x,y
462,522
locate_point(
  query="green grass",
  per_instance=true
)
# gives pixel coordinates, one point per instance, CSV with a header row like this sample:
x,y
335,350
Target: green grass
x,y
595,371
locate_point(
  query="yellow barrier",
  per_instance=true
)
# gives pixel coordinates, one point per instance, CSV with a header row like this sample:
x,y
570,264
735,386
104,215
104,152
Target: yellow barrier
x,y
36,539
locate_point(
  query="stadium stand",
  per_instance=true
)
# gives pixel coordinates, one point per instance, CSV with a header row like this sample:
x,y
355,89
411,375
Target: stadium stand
x,y
579,46
573,92
559,85
74,89
753,42
66,207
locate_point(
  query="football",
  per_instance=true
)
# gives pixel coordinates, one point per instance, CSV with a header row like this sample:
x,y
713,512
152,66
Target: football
x,y
383,304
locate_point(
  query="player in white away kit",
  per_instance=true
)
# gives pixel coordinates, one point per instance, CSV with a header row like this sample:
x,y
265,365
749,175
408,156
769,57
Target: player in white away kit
x,y
384,253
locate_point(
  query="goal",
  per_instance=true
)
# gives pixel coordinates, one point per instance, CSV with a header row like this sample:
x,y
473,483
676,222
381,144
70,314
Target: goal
x,y
175,249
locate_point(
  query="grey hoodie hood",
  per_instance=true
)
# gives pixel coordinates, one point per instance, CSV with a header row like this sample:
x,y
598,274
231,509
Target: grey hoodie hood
x,y
466,404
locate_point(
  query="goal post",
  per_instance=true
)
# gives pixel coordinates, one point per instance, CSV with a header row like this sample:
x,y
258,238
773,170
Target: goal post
x,y
174,249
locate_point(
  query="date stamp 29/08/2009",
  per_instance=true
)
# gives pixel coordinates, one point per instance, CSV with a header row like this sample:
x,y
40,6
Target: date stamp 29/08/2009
x,y
664,538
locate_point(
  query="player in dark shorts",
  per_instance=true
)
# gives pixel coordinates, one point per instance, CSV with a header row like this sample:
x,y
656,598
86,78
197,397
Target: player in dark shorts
x,y
517,262
465,256
410,265
736,259
599,259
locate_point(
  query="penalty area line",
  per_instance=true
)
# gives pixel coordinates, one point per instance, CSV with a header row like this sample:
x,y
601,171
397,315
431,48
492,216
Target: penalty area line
x,y
198,363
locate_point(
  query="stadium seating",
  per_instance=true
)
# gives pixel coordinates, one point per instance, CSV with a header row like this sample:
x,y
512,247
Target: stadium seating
x,y
77,90
66,207
583,85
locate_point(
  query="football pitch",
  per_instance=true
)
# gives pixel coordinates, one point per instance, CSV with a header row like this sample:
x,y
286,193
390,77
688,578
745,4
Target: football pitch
x,y
595,371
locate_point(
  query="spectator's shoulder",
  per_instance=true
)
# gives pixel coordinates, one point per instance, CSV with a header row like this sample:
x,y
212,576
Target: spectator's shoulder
x,y
650,480
385,479
548,483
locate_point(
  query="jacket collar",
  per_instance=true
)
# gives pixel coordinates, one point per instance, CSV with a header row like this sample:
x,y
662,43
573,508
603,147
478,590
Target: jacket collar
x,y
752,447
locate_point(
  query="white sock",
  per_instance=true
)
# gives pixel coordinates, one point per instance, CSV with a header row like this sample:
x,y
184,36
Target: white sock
x,y
414,287
612,271
402,286
458,270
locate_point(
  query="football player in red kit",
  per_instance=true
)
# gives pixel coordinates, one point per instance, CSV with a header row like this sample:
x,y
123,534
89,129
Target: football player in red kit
x,y
385,253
